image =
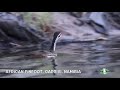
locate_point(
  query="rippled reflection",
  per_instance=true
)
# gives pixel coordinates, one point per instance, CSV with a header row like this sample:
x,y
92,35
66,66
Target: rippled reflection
x,y
90,58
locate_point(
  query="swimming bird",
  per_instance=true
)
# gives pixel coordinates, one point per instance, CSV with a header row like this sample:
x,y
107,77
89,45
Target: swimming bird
x,y
46,50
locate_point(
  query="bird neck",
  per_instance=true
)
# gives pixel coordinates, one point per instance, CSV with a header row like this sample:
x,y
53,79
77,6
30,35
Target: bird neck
x,y
53,45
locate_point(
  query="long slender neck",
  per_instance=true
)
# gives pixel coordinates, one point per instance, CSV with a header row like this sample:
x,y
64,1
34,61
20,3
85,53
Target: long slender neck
x,y
53,45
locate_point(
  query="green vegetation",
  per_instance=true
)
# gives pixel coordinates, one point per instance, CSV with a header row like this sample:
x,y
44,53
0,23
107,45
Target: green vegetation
x,y
38,19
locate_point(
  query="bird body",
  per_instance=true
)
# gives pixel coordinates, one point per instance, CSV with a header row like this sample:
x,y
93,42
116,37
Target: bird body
x,y
42,54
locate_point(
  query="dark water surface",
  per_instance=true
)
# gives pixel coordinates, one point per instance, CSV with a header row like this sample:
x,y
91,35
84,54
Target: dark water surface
x,y
89,58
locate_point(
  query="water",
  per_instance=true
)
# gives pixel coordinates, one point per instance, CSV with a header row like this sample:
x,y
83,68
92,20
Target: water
x,y
88,58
